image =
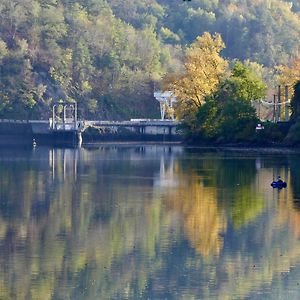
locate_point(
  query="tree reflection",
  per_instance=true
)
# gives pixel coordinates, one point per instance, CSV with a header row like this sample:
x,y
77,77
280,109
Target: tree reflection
x,y
295,180
246,206
203,221
124,224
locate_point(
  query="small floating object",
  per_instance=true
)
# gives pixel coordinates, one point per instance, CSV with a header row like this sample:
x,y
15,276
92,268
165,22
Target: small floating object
x,y
279,184
33,143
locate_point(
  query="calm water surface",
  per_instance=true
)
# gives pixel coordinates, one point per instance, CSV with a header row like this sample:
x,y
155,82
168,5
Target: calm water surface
x,y
148,222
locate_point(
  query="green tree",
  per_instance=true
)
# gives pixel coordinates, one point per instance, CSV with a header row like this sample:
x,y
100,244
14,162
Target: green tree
x,y
237,121
242,84
295,102
228,115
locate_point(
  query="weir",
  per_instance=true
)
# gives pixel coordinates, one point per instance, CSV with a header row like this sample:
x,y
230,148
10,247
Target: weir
x,y
73,133
135,129
64,127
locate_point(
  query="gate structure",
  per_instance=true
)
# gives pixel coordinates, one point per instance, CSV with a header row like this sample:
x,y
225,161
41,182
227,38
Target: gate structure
x,y
64,123
64,116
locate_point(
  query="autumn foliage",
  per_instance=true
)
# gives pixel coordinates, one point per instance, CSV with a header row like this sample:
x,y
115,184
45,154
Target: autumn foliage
x,y
203,71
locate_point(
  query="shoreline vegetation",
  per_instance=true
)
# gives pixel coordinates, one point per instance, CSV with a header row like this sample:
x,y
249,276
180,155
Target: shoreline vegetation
x,y
216,102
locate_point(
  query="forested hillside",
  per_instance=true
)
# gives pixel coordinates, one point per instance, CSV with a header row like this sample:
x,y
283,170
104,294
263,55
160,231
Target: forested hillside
x,y
109,54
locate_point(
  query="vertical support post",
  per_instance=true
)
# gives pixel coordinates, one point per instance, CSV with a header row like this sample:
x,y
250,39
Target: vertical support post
x,y
162,109
64,115
75,115
279,104
77,129
287,115
274,108
53,116
64,112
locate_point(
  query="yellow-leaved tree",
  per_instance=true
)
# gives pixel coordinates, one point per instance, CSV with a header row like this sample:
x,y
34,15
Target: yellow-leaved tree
x,y
203,70
289,74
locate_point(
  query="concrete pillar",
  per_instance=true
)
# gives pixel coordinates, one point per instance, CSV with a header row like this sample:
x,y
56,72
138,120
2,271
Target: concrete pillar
x,y
53,116
64,115
79,138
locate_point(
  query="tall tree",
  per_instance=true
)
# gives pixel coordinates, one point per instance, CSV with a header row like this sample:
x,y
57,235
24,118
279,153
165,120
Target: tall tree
x,y
203,70
242,84
295,103
289,74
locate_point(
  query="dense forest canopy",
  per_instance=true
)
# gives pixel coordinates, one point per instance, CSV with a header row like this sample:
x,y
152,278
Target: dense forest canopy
x,y
107,55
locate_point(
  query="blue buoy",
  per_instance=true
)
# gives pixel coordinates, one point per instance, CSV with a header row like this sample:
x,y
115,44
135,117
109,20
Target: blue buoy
x,y
279,184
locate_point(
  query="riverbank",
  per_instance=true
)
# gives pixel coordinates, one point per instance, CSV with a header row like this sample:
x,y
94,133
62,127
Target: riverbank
x,y
25,132
270,147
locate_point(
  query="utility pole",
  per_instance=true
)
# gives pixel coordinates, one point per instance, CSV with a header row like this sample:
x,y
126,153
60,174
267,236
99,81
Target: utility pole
x,y
279,104
287,115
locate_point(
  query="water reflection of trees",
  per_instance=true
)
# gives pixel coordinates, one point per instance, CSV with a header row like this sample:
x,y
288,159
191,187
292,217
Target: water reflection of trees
x,y
203,221
99,230
233,182
67,225
272,249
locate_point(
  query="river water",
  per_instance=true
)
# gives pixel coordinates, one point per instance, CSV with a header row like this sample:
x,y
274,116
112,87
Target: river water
x,y
148,222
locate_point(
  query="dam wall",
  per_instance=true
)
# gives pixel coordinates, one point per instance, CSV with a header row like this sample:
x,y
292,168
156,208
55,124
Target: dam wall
x,y
43,131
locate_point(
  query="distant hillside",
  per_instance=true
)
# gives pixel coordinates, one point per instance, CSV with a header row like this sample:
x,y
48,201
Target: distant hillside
x,y
265,31
107,54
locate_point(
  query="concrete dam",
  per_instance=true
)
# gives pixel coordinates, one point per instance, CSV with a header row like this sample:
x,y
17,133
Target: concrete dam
x,y
77,131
